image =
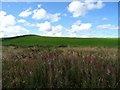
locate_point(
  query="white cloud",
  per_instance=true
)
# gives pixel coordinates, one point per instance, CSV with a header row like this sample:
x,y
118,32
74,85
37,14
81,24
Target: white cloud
x,y
25,23
1,34
46,26
21,21
91,5
107,26
78,26
29,24
50,30
54,17
57,30
25,13
14,30
72,35
2,13
104,18
8,26
6,20
77,22
78,8
85,36
40,14
39,5
47,34
81,27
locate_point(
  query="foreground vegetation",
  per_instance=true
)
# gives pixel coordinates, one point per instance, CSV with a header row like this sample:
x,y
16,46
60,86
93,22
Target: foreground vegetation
x,y
69,67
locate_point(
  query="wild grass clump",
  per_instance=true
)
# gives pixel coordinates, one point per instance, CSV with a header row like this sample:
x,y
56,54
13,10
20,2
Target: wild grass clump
x,y
70,67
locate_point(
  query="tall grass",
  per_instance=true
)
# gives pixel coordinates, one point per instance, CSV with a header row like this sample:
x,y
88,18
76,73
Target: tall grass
x,y
70,67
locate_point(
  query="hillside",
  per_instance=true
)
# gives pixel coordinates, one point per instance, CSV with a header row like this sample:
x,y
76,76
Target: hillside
x,y
28,40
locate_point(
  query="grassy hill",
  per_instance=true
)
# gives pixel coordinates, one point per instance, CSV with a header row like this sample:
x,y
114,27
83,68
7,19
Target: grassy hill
x,y
28,40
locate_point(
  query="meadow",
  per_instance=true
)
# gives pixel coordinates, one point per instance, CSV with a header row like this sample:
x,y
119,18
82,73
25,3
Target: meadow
x,y
43,62
32,40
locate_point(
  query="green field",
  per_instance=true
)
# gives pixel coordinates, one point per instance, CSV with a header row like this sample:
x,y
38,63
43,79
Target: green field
x,y
57,41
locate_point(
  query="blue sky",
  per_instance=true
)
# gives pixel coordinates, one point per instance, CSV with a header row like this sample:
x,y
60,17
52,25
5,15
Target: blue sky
x,y
59,19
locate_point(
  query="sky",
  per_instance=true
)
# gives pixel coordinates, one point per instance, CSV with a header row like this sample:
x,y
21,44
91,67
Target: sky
x,y
59,19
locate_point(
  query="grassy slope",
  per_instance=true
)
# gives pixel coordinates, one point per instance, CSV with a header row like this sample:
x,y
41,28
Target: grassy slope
x,y
54,41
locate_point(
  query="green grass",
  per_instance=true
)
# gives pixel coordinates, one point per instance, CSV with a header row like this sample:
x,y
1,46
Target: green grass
x,y
56,41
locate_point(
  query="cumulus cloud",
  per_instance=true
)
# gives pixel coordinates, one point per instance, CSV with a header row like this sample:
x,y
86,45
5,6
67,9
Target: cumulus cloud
x,y
86,36
72,35
6,20
26,13
21,21
1,34
77,22
78,26
46,26
8,26
78,8
25,23
81,27
29,24
54,17
107,26
92,5
57,30
39,5
50,30
40,14
14,30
